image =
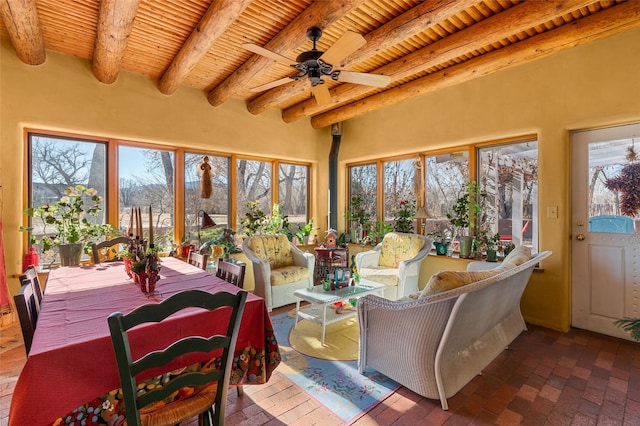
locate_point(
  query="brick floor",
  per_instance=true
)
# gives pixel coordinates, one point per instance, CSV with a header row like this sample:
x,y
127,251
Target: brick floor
x,y
545,378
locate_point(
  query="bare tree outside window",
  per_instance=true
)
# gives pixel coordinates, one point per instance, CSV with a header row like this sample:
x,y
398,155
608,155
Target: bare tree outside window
x,y
146,179
445,176
57,163
292,192
398,186
363,181
253,184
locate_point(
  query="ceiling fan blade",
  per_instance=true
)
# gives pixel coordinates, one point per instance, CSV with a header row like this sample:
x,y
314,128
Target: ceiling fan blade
x,y
321,93
344,46
377,80
271,85
267,53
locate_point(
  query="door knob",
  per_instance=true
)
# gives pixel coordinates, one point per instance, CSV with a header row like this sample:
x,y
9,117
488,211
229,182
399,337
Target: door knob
x,y
580,237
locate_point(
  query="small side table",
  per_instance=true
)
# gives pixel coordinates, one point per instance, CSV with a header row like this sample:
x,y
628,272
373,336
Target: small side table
x,y
328,260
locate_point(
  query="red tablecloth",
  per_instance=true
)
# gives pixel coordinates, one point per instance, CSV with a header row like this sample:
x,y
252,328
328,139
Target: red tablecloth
x,y
72,360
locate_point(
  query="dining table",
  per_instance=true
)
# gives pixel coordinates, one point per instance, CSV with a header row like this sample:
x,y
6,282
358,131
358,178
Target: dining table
x,y
72,360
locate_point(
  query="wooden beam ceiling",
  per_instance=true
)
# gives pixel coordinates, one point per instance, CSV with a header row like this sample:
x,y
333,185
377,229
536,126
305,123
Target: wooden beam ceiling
x,y
422,45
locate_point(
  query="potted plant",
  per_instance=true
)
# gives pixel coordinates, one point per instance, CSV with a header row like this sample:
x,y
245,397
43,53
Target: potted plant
x,y
304,232
441,241
403,219
377,232
146,270
67,224
253,219
490,244
359,217
464,212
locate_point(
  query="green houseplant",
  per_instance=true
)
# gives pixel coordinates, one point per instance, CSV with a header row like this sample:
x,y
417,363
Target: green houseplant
x,y
304,232
463,214
360,218
403,219
67,224
253,219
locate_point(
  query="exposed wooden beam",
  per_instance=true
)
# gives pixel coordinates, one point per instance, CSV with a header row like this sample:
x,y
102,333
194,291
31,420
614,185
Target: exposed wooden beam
x,y
487,32
114,27
218,18
395,31
319,13
607,22
21,21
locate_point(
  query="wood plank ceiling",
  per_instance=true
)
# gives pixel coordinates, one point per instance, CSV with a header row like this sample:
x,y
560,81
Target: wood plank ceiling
x,y
422,45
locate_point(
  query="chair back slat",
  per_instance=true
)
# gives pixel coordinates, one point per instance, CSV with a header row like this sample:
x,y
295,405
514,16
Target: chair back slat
x,y
198,260
30,276
128,367
28,307
105,251
231,272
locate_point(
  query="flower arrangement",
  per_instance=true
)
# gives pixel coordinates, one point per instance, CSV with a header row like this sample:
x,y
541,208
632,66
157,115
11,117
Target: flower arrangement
x,y
627,184
403,219
67,221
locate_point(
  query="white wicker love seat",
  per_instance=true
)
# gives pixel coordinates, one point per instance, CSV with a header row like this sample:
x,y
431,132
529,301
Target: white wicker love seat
x,y
437,343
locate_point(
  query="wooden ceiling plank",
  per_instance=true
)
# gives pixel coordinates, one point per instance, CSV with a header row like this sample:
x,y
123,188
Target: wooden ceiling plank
x,y
320,13
21,21
395,31
610,21
218,18
483,34
115,23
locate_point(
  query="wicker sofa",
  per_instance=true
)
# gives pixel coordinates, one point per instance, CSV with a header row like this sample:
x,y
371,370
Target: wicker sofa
x,y
279,268
445,336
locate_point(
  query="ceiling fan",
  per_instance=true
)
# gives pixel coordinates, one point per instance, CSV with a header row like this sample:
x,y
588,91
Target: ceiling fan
x,y
315,64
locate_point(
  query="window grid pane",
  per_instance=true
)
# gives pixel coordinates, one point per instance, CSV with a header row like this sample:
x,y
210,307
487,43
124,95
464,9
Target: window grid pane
x,y
57,163
292,193
147,179
253,183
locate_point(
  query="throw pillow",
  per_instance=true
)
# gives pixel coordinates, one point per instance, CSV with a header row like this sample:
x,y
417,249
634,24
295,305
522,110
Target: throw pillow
x,y
448,280
517,257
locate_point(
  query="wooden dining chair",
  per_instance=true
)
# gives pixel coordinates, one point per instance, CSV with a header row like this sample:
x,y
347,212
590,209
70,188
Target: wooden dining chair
x,y
30,276
28,308
231,272
198,260
107,251
210,402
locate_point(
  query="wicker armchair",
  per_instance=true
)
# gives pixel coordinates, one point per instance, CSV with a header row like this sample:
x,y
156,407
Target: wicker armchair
x,y
394,262
279,268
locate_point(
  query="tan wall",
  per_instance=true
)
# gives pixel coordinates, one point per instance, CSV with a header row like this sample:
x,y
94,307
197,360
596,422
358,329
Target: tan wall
x,y
63,95
589,86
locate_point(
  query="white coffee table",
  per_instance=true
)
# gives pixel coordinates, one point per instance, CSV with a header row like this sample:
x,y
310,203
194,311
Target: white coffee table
x,y
321,299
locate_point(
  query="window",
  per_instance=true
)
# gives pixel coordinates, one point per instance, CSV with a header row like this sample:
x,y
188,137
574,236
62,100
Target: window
x,y
253,183
217,205
293,193
56,163
445,174
147,179
399,185
508,173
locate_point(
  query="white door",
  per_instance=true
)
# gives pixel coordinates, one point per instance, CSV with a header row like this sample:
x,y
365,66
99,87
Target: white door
x,y
605,250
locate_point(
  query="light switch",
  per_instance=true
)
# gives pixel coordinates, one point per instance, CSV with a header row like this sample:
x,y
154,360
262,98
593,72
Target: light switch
x,y
552,212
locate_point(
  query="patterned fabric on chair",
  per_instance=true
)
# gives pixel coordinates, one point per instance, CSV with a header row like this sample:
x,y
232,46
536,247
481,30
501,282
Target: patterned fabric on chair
x,y
395,262
279,268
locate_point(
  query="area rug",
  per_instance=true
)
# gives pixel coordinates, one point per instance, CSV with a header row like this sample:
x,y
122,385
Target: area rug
x,y
341,343
336,384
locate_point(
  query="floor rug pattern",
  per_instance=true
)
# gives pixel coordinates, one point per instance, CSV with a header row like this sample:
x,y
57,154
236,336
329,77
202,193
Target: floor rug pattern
x,y
335,384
